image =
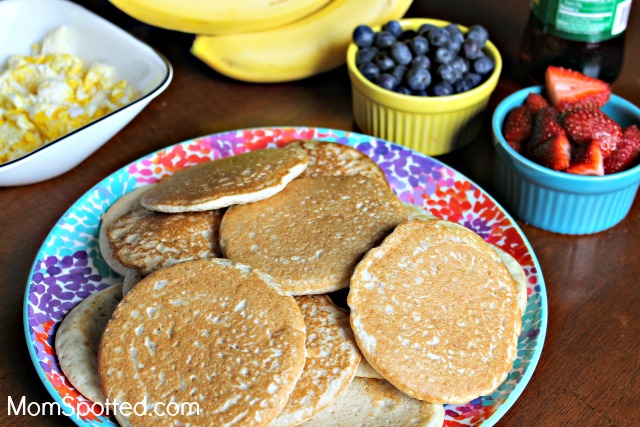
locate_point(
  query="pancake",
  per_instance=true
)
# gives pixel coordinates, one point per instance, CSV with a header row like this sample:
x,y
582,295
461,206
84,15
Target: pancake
x,y
514,267
240,179
333,159
332,359
130,280
210,331
366,371
147,241
519,278
310,236
417,212
119,208
434,311
78,338
376,403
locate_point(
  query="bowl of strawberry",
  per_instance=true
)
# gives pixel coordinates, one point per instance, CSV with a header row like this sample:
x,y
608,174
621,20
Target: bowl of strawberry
x,y
567,153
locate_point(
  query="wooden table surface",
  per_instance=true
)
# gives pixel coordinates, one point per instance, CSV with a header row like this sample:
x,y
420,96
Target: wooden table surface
x,y
588,372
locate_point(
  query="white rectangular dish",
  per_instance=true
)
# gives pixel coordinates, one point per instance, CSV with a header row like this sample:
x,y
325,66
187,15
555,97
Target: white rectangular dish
x,y
95,40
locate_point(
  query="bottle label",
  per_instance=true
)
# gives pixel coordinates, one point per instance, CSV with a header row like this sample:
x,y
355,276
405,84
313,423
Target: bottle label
x,y
587,21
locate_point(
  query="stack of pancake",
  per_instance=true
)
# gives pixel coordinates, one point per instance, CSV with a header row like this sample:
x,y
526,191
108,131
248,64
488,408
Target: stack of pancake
x,y
233,270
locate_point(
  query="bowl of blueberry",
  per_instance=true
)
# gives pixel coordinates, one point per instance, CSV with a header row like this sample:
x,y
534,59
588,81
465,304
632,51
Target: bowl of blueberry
x,y
423,83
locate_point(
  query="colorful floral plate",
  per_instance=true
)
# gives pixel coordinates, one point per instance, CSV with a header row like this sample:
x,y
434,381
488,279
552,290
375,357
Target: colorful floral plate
x,y
69,266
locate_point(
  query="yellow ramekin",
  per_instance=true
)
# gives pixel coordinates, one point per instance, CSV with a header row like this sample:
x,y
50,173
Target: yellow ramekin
x,y
432,125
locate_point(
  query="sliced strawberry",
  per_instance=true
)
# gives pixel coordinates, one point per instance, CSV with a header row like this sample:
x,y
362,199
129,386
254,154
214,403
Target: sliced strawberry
x,y
518,146
570,89
583,126
627,152
554,153
587,160
535,102
546,125
518,124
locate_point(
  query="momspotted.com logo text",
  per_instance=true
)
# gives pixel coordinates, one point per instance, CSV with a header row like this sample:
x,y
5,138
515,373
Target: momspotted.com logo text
x,y
127,409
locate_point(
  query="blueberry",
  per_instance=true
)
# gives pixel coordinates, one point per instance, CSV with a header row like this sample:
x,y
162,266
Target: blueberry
x,y
400,53
461,85
418,78
468,82
483,65
370,71
383,39
478,33
444,55
438,36
393,27
460,65
454,46
457,74
472,49
473,79
399,72
420,93
446,73
455,32
425,28
421,61
407,35
403,90
387,81
419,45
442,89
363,36
366,54
384,61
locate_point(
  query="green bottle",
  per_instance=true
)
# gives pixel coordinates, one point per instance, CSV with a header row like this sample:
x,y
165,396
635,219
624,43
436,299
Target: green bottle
x,y
586,36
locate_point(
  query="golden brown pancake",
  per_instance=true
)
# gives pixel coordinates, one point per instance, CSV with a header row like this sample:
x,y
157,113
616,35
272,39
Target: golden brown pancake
x,y
130,280
417,212
332,359
366,371
310,236
435,312
119,208
376,403
515,269
210,331
240,179
78,339
517,273
147,241
333,159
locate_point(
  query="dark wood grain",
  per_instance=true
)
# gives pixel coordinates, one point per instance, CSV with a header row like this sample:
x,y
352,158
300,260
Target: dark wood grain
x,y
588,373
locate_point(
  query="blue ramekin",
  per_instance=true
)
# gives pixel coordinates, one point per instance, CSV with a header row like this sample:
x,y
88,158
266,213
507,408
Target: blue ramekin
x,y
558,201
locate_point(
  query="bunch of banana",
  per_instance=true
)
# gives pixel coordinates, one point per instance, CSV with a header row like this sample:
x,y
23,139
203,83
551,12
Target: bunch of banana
x,y
303,48
267,40
218,16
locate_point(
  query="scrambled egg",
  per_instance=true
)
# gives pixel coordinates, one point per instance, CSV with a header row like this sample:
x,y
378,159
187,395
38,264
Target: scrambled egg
x,y
51,93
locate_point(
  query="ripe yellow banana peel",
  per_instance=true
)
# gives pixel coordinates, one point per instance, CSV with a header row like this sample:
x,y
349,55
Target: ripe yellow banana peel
x,y
218,16
309,46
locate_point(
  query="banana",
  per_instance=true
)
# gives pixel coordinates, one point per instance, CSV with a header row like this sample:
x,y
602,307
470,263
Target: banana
x,y
298,50
218,16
